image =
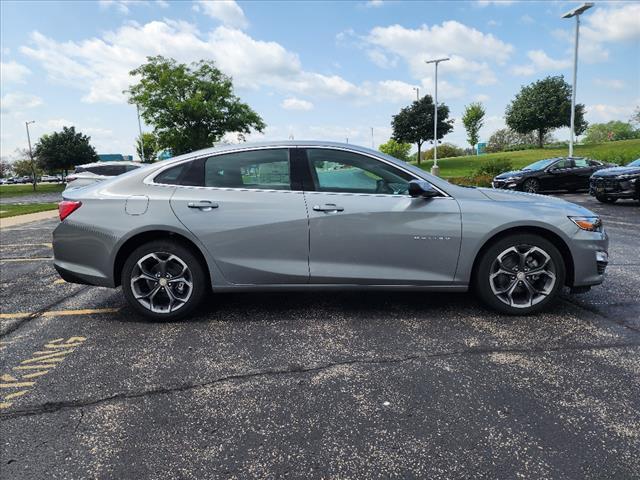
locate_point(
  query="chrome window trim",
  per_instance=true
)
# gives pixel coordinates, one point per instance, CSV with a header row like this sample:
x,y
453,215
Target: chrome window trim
x,y
149,179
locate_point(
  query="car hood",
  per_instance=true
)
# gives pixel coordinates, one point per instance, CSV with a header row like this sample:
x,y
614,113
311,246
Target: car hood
x,y
533,198
615,171
512,173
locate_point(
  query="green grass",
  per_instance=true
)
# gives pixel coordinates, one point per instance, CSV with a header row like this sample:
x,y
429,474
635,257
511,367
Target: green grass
x,y
620,152
7,191
13,209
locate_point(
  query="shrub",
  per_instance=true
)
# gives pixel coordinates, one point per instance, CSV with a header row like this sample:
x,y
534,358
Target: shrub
x,y
446,150
494,167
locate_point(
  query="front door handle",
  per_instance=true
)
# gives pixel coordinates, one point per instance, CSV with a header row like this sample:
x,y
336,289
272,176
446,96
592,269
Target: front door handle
x,y
204,205
328,207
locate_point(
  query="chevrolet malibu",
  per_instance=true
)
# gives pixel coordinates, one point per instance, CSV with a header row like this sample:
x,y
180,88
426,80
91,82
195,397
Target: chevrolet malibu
x,y
318,216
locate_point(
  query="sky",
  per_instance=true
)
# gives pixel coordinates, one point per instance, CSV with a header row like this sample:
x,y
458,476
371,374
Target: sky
x,y
312,70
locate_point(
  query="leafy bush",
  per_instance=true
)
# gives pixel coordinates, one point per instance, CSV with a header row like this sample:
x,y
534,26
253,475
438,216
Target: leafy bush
x,y
473,181
506,139
611,131
446,150
494,167
396,149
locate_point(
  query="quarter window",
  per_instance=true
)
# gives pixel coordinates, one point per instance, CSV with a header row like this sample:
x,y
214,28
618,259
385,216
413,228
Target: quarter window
x,y
267,169
340,171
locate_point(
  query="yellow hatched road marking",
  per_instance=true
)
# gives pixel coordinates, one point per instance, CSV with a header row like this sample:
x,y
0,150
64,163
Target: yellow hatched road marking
x,y
59,281
35,367
48,358
36,374
50,245
16,394
59,313
42,360
16,384
29,259
5,404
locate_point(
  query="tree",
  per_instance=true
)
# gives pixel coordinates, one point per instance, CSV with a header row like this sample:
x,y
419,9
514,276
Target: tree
x,y
23,167
414,124
635,118
396,149
544,106
147,142
189,107
5,167
614,130
473,120
505,138
64,150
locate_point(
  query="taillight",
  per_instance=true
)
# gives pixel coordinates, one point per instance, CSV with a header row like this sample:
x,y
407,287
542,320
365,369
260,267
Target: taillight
x,y
67,207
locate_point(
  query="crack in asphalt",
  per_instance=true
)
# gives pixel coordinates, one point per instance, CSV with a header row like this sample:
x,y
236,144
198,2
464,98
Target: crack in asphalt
x,y
40,311
593,309
53,407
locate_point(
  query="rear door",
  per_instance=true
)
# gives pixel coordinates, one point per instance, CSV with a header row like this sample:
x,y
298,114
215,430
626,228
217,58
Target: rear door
x,y
244,208
582,170
366,229
559,176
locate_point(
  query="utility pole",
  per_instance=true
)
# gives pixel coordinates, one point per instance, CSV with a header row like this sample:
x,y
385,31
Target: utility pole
x,y
576,12
372,147
140,130
417,89
435,170
33,166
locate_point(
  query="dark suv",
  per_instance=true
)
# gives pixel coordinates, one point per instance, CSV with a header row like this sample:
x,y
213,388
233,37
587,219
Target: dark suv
x,y
610,184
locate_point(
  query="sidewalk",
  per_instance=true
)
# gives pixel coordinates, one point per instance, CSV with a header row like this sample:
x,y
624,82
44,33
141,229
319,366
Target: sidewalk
x,y
29,217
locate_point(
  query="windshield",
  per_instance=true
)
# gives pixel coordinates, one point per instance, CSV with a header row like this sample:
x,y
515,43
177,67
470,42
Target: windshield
x,y
540,164
635,163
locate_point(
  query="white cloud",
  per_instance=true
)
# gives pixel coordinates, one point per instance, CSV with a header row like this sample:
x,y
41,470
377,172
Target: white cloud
x,y
602,112
452,39
13,72
494,23
100,66
611,83
527,20
540,62
226,11
17,101
380,59
500,3
374,3
162,3
296,104
121,5
481,97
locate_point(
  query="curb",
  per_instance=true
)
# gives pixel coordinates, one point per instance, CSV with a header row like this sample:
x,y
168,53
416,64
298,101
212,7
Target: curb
x,y
27,218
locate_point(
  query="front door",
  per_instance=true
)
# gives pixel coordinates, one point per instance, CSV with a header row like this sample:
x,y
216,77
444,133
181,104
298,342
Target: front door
x,y
248,216
366,229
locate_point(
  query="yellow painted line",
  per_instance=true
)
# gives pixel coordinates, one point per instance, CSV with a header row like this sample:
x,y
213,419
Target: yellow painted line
x,y
17,384
16,394
42,360
35,367
50,245
48,358
5,404
8,378
59,281
30,259
36,374
67,345
60,313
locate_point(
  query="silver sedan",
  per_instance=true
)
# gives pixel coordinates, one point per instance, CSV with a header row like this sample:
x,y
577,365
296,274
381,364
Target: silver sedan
x,y
318,215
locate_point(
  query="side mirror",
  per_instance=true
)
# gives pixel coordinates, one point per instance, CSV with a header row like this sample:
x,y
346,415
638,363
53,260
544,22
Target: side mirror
x,y
421,188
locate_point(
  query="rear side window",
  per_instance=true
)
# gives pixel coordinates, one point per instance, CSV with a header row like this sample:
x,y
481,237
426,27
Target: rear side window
x,y
187,174
267,169
581,162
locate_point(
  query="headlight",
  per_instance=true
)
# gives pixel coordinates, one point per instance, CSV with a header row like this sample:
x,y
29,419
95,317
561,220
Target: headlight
x,y
513,179
630,176
590,224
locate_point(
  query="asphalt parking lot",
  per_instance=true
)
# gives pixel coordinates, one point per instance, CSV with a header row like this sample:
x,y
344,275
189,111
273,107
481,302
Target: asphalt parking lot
x,y
331,385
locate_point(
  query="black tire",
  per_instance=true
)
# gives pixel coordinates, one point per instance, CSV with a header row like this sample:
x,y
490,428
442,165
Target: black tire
x,y
531,185
604,199
166,248
482,282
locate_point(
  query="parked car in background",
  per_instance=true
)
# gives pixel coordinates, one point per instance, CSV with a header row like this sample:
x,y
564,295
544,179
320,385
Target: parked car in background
x,y
89,173
319,216
551,174
610,184
51,178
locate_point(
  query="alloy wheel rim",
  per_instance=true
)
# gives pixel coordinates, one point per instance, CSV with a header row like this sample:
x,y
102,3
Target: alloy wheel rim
x,y
522,276
531,186
161,282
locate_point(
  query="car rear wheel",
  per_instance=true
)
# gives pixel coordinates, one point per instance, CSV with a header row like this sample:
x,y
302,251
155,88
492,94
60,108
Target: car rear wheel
x,y
604,199
531,185
520,274
163,280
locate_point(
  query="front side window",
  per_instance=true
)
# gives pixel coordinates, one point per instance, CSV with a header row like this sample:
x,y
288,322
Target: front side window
x,y
562,164
347,172
581,162
267,169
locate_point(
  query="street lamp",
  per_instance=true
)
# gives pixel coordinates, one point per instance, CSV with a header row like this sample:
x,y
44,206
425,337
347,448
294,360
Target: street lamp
x,y
140,130
33,167
435,170
576,12
417,89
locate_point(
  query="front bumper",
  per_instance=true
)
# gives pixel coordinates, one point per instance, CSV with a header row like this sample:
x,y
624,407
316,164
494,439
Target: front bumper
x,y
503,185
615,187
590,251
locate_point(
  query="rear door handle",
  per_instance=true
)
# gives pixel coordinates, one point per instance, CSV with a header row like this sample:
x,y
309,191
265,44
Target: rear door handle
x,y
328,207
204,205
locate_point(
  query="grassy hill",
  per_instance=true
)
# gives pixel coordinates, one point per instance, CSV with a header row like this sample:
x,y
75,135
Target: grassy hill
x,y
620,152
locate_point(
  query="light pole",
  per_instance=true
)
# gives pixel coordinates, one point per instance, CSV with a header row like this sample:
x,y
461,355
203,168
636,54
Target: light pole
x,y
576,12
33,167
372,147
140,130
417,89
435,170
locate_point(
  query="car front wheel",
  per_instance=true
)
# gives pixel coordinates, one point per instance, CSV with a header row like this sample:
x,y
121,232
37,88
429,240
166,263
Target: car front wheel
x,y
163,280
531,185
520,274
603,199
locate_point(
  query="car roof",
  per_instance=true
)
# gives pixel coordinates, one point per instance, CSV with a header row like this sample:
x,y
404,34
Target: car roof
x,y
98,164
